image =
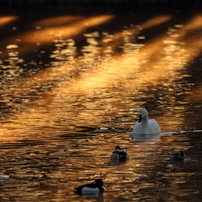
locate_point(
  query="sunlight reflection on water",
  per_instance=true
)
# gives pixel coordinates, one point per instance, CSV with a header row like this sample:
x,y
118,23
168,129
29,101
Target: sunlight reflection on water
x,y
53,119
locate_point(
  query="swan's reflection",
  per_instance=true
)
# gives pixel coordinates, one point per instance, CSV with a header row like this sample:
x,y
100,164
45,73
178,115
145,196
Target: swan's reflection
x,y
148,137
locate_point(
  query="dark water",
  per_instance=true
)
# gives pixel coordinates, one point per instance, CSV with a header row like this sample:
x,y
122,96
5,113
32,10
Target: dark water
x,y
72,81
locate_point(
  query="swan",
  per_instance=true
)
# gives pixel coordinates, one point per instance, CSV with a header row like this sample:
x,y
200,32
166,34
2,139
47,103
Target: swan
x,y
118,155
92,189
145,126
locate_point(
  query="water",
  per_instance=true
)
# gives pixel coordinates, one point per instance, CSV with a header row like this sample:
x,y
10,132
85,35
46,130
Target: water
x,y
71,87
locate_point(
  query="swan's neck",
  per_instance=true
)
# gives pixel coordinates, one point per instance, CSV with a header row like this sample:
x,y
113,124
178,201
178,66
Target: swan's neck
x,y
144,125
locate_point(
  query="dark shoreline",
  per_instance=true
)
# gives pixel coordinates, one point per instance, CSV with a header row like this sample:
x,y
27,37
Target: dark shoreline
x,y
89,7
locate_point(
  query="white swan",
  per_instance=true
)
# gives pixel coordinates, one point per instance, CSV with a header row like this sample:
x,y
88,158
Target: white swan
x,y
145,129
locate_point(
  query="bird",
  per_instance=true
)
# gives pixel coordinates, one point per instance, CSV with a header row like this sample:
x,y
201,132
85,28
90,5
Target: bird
x,y
119,154
177,156
146,126
92,189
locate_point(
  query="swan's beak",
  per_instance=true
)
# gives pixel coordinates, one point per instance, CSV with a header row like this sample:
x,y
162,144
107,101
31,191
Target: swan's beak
x,y
140,118
104,185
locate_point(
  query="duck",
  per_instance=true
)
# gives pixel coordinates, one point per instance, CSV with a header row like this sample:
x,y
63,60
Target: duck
x,y
119,154
146,126
177,156
92,189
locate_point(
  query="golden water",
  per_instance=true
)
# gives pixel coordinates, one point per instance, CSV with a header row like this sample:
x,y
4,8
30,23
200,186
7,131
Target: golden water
x,y
66,78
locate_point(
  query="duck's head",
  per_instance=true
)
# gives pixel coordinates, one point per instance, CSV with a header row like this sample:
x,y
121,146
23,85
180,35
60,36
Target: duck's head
x,y
117,147
142,113
181,155
99,183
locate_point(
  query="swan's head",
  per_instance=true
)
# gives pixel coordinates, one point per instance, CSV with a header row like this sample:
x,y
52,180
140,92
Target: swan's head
x,y
142,113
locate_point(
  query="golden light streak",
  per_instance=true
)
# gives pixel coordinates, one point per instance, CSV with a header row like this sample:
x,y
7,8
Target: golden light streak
x,y
47,30
193,24
47,35
117,38
67,26
57,21
155,21
6,19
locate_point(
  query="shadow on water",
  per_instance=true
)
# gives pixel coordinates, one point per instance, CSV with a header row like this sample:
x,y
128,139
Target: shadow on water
x,y
73,76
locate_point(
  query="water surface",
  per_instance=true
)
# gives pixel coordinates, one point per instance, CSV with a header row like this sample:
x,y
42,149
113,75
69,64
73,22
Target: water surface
x,y
71,87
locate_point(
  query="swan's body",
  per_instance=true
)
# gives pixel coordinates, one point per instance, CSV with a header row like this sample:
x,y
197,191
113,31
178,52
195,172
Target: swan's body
x,y
92,189
118,155
146,126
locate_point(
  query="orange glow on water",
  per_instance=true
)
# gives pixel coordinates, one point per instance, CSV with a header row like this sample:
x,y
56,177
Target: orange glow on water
x,y
6,19
160,68
156,21
47,35
57,21
52,116
117,38
160,52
